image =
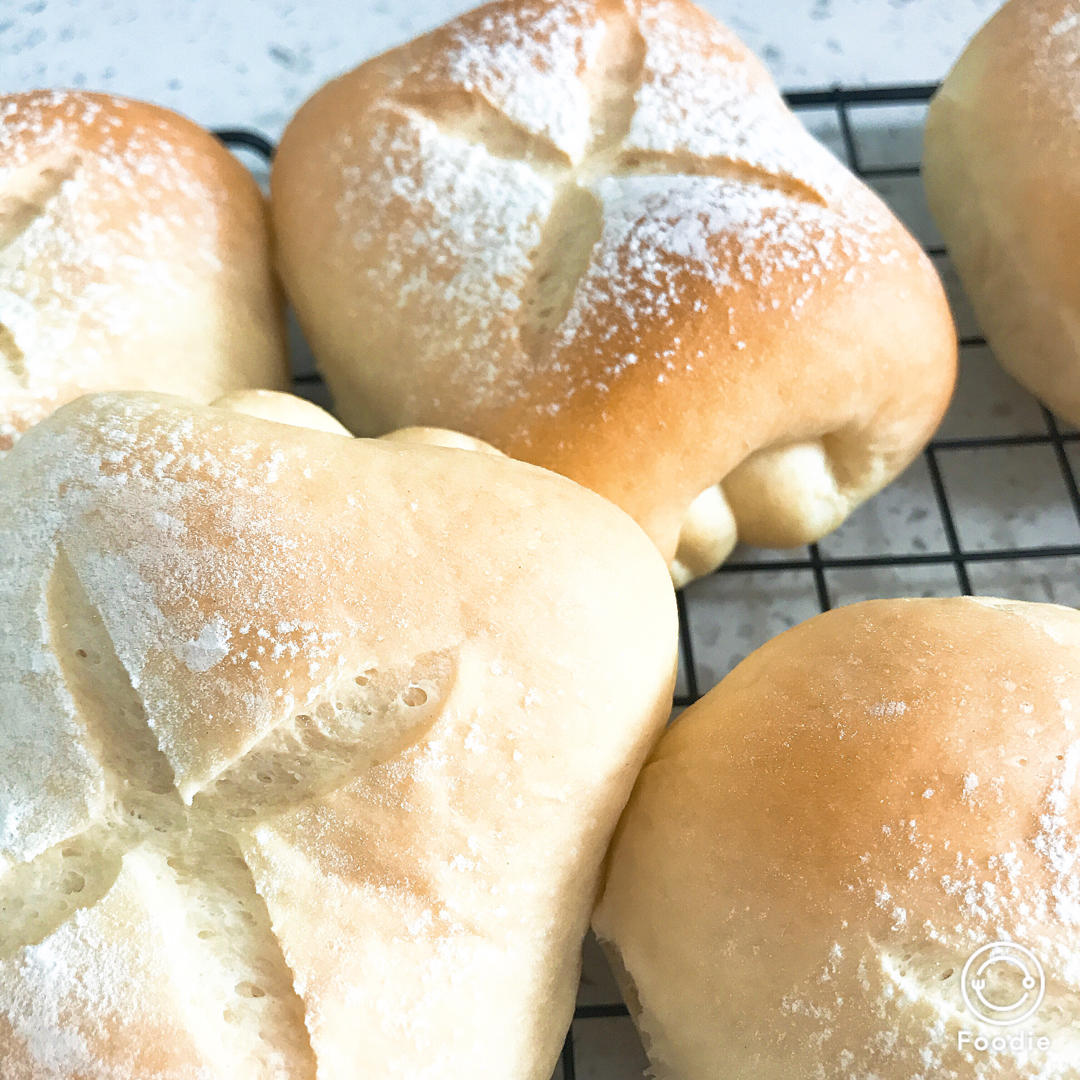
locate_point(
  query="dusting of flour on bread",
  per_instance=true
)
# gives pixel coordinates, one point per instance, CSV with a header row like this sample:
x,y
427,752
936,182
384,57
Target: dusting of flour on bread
x,y
114,216
276,780
679,163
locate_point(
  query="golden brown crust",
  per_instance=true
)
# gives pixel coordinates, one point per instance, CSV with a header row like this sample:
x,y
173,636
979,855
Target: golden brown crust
x,y
815,849
134,254
591,234
1002,172
310,747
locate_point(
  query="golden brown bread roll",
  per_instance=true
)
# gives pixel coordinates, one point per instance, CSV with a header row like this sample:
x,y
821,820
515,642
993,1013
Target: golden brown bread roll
x,y
1002,172
134,254
815,850
590,233
310,747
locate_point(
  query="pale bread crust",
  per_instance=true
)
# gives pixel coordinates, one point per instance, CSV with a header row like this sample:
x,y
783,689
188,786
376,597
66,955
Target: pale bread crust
x,y
1002,172
784,337
815,848
290,409
134,254
310,747
283,408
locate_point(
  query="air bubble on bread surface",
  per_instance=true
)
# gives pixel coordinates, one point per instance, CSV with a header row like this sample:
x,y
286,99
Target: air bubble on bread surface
x,y
39,896
414,696
242,974
359,723
923,973
927,974
105,700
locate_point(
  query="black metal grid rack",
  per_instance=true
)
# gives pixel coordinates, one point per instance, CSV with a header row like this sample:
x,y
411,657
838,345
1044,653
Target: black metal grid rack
x,y
846,107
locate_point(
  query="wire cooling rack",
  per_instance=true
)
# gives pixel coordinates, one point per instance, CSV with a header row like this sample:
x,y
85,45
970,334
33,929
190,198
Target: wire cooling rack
x,y
991,507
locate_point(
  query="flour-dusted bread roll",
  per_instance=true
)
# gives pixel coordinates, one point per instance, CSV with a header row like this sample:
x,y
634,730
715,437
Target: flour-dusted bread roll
x,y
816,849
590,233
134,254
310,747
1002,172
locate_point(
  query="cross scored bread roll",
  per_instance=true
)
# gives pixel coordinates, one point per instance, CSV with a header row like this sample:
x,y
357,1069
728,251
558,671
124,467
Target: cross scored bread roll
x,y
310,747
1002,173
817,848
134,254
590,233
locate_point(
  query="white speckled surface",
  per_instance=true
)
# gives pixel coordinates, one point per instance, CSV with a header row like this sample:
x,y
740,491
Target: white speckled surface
x,y
1000,497
252,62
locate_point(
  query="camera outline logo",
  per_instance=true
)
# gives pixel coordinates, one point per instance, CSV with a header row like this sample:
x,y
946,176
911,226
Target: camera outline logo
x,y
1032,983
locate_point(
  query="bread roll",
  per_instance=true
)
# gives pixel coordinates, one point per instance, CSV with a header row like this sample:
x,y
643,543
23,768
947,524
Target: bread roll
x,y
816,849
290,409
590,233
282,408
440,437
134,254
310,747
1002,172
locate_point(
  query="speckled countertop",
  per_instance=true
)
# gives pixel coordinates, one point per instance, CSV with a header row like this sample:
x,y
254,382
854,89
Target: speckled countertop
x,y
252,62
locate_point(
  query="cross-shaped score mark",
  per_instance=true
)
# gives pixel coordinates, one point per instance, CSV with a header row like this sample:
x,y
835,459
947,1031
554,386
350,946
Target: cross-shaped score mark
x,y
575,223
202,844
195,841
30,192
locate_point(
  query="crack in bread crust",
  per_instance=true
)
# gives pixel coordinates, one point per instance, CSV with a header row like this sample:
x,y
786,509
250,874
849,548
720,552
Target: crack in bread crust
x,y
574,225
31,192
561,259
362,723
372,718
145,812
468,116
105,698
77,873
13,357
655,163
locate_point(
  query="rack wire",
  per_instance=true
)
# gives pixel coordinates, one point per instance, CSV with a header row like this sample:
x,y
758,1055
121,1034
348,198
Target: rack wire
x,y
846,107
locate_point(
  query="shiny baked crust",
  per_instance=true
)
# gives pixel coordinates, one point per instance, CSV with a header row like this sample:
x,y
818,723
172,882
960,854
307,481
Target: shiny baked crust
x,y
590,233
816,848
